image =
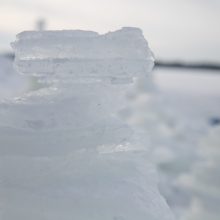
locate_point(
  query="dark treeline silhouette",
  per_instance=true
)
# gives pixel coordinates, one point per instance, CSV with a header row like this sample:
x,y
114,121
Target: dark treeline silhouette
x,y
9,55
185,65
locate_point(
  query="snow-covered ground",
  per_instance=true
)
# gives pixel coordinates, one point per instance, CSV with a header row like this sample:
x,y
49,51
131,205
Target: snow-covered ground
x,y
191,98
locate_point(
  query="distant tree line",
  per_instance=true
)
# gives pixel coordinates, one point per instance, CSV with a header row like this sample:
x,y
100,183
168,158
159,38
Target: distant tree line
x,y
186,65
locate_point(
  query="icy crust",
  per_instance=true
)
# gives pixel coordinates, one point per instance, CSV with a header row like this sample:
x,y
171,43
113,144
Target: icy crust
x,y
75,106
124,43
68,113
82,186
122,54
86,68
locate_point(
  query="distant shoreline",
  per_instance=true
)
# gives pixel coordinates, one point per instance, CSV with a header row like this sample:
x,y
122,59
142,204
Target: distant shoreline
x,y
184,65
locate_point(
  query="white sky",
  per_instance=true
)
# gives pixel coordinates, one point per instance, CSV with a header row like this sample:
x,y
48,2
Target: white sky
x,y
175,29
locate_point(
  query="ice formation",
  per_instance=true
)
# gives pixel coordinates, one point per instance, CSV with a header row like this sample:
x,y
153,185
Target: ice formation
x,y
66,152
204,181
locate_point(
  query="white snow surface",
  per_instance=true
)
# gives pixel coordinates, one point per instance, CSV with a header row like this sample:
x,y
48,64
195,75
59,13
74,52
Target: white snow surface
x,y
191,102
204,181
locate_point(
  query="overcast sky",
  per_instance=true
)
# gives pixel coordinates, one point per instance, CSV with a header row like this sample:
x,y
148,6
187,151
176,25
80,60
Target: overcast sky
x,y
175,29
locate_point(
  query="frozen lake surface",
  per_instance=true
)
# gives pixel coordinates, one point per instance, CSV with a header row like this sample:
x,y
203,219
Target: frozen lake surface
x,y
192,98
194,93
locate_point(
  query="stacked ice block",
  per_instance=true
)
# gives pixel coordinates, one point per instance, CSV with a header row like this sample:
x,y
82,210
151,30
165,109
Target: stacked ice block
x,y
65,152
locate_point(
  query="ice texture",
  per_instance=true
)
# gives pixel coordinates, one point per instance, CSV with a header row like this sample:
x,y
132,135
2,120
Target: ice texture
x,y
120,54
66,150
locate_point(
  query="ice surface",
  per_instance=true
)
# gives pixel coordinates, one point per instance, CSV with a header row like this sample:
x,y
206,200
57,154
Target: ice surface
x,y
125,43
66,152
120,54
